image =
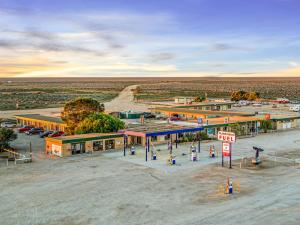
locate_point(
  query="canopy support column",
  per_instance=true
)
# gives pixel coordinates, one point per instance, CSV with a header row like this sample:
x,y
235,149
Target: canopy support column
x,y
146,148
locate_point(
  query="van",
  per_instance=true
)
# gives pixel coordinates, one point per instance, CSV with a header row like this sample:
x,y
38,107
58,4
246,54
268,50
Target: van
x,y
295,108
7,125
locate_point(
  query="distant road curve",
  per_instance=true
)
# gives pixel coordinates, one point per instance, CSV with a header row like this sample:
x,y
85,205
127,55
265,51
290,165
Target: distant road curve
x,y
123,102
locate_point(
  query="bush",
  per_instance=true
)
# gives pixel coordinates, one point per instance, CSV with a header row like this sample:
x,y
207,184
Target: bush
x,y
6,136
190,137
266,125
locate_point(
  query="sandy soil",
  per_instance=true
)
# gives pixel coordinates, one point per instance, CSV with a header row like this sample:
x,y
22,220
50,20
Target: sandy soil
x,y
105,188
123,102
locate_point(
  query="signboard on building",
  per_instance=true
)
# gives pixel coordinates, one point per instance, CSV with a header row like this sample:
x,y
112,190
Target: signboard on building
x,y
56,150
226,149
226,136
226,120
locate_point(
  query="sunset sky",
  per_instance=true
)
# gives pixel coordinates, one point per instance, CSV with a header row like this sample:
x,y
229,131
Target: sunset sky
x,y
62,38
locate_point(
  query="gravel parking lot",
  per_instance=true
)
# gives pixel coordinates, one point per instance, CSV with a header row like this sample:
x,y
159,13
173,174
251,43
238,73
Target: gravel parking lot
x,y
107,188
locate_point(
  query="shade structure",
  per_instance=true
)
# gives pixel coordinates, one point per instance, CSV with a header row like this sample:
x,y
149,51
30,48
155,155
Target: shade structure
x,y
158,129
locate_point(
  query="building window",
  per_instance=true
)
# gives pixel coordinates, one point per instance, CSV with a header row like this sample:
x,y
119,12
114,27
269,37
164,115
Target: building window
x,y
78,148
98,146
154,138
109,144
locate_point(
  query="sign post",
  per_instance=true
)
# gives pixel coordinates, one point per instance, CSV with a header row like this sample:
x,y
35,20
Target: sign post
x,y
227,139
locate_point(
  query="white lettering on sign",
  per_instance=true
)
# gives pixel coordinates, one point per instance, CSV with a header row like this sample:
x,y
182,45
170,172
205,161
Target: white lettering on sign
x,y
226,137
226,149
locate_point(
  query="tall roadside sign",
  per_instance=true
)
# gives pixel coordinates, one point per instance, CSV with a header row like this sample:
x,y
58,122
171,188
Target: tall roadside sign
x,y
227,138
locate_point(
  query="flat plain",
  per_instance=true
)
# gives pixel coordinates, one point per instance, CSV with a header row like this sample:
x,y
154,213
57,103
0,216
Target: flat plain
x,y
35,93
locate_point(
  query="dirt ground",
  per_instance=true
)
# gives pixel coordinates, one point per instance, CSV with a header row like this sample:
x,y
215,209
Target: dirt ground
x,y
123,102
106,188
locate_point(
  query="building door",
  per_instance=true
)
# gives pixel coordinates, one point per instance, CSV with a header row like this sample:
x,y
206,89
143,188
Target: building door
x,y
109,144
98,146
139,140
78,148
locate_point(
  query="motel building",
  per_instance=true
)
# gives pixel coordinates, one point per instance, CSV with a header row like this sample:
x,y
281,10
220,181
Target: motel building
x,y
213,106
283,122
184,100
83,143
46,122
192,114
240,125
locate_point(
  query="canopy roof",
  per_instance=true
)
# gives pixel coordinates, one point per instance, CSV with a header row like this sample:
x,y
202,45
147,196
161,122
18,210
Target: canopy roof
x,y
152,130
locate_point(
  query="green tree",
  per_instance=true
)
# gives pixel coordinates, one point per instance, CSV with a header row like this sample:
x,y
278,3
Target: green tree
x,y
242,95
199,99
251,96
99,123
266,125
238,95
6,136
77,110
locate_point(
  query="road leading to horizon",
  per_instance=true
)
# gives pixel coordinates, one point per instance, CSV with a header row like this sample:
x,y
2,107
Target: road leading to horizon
x,y
123,102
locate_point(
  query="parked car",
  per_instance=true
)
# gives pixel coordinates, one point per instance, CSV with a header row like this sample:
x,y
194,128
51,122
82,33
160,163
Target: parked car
x,y
25,128
282,100
295,108
8,124
57,134
149,116
174,118
36,130
237,105
257,104
161,117
244,102
46,133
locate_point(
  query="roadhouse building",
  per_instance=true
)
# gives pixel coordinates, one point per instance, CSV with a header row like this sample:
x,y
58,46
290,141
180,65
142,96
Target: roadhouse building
x,y
83,143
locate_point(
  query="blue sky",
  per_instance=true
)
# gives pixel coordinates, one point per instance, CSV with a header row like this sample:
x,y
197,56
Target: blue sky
x,y
149,38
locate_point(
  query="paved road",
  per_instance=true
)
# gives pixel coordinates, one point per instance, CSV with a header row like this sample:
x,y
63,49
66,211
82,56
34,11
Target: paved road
x,y
123,102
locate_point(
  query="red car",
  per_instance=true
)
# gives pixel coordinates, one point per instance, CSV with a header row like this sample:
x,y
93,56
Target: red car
x,y
25,128
174,118
57,134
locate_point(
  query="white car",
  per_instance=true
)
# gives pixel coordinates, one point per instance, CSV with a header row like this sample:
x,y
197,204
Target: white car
x,y
295,108
8,125
257,104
